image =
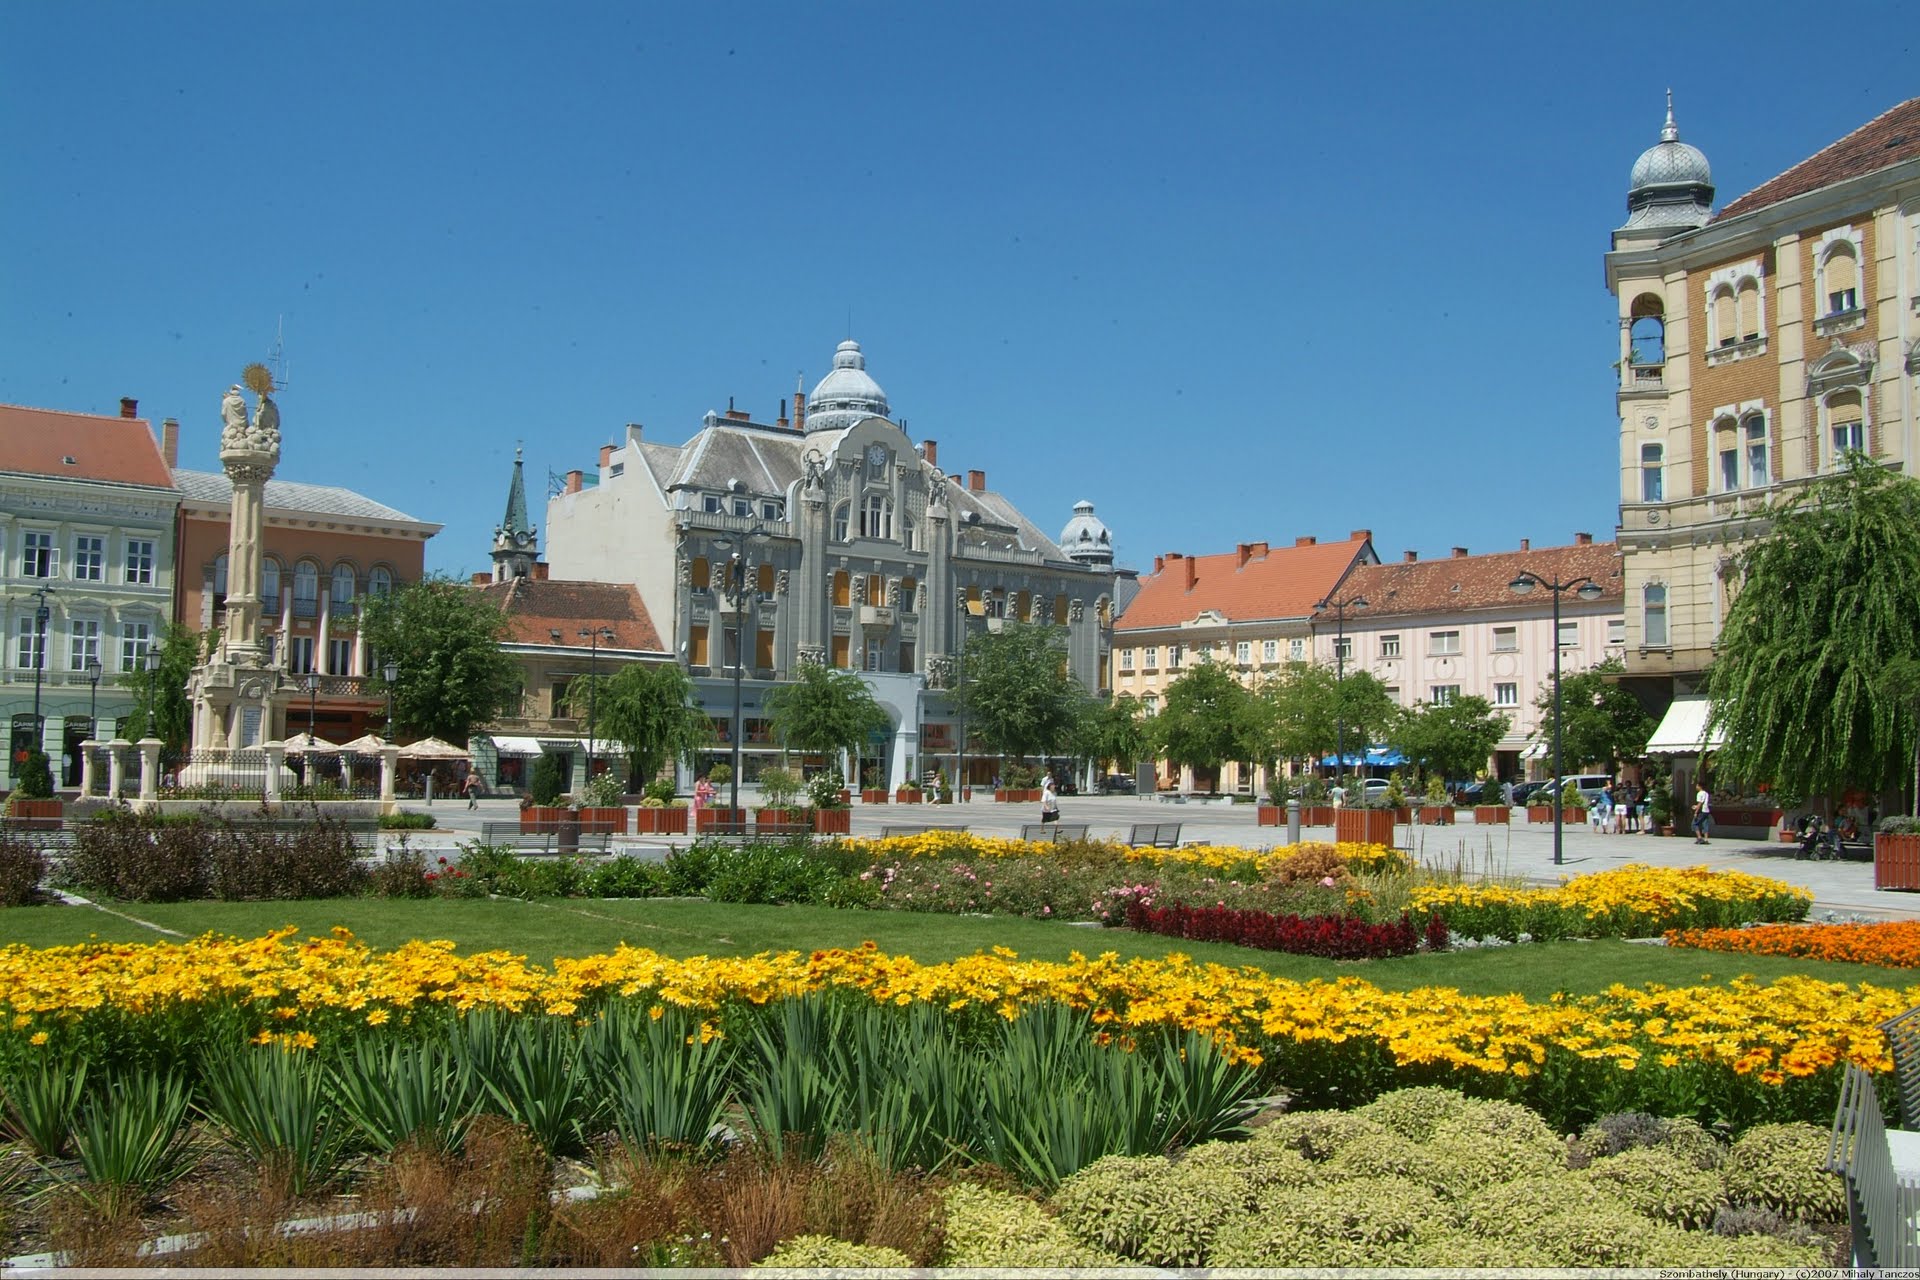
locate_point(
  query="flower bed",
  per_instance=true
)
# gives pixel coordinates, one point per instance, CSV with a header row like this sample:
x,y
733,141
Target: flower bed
x,y
1893,943
1633,901
963,844
1333,937
1742,1053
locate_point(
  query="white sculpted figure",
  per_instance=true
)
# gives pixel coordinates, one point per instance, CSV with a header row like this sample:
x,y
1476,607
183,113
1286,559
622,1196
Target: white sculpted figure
x,y
265,435
233,419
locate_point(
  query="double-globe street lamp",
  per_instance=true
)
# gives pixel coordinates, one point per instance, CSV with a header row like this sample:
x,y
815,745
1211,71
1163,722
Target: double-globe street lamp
x,y
1340,607
389,674
1587,589
737,585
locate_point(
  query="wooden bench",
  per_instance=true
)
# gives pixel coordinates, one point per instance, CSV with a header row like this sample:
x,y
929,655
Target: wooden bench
x,y
1154,835
913,829
508,835
1053,832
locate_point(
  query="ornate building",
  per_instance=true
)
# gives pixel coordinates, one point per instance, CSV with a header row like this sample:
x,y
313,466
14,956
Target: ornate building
x,y
828,537
1757,347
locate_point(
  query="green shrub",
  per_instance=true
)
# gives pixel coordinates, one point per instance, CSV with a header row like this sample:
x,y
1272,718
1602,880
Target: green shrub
x,y
406,820
720,774
524,1065
608,791
397,1091
1660,1184
1154,1211
22,867
778,788
824,788
626,877
770,874
1364,1222
39,1098
1319,1135
1518,1206
665,1087
271,1103
1899,825
141,857
660,789
1415,1113
33,777
543,784
1257,1164
993,1229
402,873
131,1139
837,1255
1780,1166
315,858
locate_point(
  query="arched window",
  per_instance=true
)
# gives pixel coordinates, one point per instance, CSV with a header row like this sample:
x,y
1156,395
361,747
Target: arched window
x,y
1648,334
840,522
1653,615
876,516
1747,305
1846,426
340,588
1726,318
270,584
1753,429
763,583
1652,481
1840,278
306,589
1060,610
380,581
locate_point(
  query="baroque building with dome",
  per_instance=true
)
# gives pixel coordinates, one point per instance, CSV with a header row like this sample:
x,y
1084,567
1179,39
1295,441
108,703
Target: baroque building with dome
x,y
850,547
1758,346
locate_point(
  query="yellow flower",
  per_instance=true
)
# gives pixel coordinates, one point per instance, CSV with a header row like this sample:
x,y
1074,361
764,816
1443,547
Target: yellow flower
x,y
38,1038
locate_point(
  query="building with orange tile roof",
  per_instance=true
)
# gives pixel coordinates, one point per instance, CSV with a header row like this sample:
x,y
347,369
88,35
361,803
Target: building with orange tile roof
x,y
1757,347
87,510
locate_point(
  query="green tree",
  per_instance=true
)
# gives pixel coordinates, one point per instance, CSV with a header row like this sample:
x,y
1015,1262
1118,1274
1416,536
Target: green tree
x,y
444,637
180,649
824,710
1210,718
1016,692
1451,739
1828,601
1599,719
650,710
1113,731
1309,706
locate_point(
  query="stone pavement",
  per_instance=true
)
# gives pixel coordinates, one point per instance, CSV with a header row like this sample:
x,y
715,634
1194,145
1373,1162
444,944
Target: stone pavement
x,y
1523,849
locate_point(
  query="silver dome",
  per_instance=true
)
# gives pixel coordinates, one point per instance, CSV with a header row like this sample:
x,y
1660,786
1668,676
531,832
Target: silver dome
x,y
1671,184
847,395
1086,538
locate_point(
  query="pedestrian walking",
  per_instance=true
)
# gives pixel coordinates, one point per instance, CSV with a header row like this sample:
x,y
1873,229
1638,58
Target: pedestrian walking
x,y
703,794
1702,814
473,789
1049,802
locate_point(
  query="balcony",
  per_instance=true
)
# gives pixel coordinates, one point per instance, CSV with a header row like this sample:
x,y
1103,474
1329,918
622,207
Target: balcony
x,y
877,617
721,522
1643,380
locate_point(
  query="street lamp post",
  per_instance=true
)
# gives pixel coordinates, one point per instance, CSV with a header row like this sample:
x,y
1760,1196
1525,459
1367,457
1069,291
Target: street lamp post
x,y
1340,607
1587,589
151,661
93,670
389,673
311,683
593,636
40,615
737,583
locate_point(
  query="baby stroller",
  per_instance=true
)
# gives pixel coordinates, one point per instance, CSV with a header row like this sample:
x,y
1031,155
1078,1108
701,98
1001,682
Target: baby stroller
x,y
1817,840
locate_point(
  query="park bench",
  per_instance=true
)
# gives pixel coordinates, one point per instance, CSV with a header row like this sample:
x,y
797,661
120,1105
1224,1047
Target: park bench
x,y
1053,831
1154,835
912,829
508,835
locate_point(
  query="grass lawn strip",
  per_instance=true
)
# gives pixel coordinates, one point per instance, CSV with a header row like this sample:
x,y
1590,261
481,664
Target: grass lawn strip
x,y
75,900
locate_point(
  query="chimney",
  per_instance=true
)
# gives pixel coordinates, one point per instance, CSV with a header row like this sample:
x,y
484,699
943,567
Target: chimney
x,y
1526,544
1305,540
170,443
1360,535
574,480
1410,557
1240,556
1582,539
539,571
1192,573
1459,553
930,450
780,415
1159,563
799,410
129,407
977,481
482,579
954,478
606,455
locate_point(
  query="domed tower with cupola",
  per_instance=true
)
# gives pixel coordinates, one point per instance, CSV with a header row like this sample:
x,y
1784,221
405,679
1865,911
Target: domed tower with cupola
x,y
847,395
1086,539
1670,189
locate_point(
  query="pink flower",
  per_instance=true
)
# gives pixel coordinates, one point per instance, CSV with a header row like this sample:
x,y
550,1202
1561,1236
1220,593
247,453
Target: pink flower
x,y
1327,881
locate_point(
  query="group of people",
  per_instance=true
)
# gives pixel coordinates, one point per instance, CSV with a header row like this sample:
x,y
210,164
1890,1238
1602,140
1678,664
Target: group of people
x,y
1620,808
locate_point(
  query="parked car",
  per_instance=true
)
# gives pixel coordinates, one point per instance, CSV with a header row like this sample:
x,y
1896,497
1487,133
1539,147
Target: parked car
x,y
1118,784
1467,794
1522,790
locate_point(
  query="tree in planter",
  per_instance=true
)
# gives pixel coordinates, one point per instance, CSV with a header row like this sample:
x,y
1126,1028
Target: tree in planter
x,y
1210,718
1279,790
34,778
825,711
824,789
647,708
1827,603
1451,739
778,788
1599,718
543,785
1018,697
444,637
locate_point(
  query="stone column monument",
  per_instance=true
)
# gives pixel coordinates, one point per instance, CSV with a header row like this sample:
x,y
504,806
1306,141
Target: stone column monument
x,y
239,695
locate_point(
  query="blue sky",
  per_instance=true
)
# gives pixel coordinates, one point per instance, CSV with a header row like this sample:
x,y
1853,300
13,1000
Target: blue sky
x,y
1231,271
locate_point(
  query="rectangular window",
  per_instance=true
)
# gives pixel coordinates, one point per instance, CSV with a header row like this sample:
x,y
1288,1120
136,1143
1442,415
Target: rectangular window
x,y
1506,639
1506,693
842,653
874,648
340,656
1848,436
1652,476
710,503
697,646
135,639
1269,651
1173,657
1757,469
89,558
1653,614
1444,694
1126,659
1729,470
769,511
1390,646
1616,631
1343,648
1150,658
140,557
300,655
1297,650
1569,635
1443,643
31,651
37,558
83,635
763,580
1393,693
1243,652
1842,300
906,655
743,507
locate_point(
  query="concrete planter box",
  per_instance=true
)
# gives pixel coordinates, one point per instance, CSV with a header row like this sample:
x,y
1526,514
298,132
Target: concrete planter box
x,y
1896,861
660,822
1485,813
1363,826
832,822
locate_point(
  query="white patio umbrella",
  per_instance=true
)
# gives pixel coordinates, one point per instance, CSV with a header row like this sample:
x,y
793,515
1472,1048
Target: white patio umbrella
x,y
305,744
432,749
366,744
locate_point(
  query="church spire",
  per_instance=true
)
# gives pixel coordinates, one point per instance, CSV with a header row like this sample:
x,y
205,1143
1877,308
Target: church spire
x,y
515,545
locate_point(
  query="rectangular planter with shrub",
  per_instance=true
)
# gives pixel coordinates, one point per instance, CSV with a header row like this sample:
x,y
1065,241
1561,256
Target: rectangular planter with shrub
x,y
649,821
1363,826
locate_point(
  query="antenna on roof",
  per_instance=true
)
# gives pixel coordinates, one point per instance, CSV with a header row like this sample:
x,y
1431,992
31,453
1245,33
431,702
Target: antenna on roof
x,y
556,483
277,357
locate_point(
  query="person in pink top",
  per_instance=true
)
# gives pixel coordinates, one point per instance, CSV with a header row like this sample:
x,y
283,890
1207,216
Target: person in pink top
x,y
703,793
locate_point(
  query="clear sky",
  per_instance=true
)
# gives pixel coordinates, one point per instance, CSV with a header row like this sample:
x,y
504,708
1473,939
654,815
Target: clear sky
x,y
1231,271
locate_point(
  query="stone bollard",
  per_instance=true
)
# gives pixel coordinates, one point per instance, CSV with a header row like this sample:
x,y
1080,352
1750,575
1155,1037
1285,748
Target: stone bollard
x,y
1293,822
389,767
117,766
86,768
149,771
276,754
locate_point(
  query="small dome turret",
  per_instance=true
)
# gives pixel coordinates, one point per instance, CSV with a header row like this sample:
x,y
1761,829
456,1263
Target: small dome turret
x,y
1671,185
1086,539
846,395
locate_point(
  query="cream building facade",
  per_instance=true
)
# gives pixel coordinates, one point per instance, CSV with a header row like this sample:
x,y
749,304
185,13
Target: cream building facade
x,y
1757,347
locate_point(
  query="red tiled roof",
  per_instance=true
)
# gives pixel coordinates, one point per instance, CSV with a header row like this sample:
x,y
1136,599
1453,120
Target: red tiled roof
x,y
1480,582
536,607
1887,139
114,449
1251,583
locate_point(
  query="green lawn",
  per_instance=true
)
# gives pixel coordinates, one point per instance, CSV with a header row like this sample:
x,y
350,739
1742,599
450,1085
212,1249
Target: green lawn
x,y
573,927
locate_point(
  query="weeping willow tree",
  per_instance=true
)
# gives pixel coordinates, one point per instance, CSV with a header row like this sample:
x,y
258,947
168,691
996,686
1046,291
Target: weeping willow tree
x,y
1829,603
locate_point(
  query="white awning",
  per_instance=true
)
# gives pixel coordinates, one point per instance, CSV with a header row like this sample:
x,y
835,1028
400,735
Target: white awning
x,y
1683,730
1536,751
509,745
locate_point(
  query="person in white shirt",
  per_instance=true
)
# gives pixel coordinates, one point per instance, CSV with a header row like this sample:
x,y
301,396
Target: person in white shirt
x,y
1702,814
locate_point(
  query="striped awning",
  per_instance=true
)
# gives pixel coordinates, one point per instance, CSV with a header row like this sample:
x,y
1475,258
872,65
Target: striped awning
x,y
512,745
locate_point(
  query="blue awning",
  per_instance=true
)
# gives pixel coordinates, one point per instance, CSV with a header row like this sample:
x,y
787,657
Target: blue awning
x,y
1334,762
1384,757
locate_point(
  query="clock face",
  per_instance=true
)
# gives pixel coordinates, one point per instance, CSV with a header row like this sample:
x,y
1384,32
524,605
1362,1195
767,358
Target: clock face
x,y
876,456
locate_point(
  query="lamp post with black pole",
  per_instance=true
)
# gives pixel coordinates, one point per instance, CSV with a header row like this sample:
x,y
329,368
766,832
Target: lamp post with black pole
x,y
389,675
41,613
737,584
151,661
311,683
593,636
1587,589
1340,607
